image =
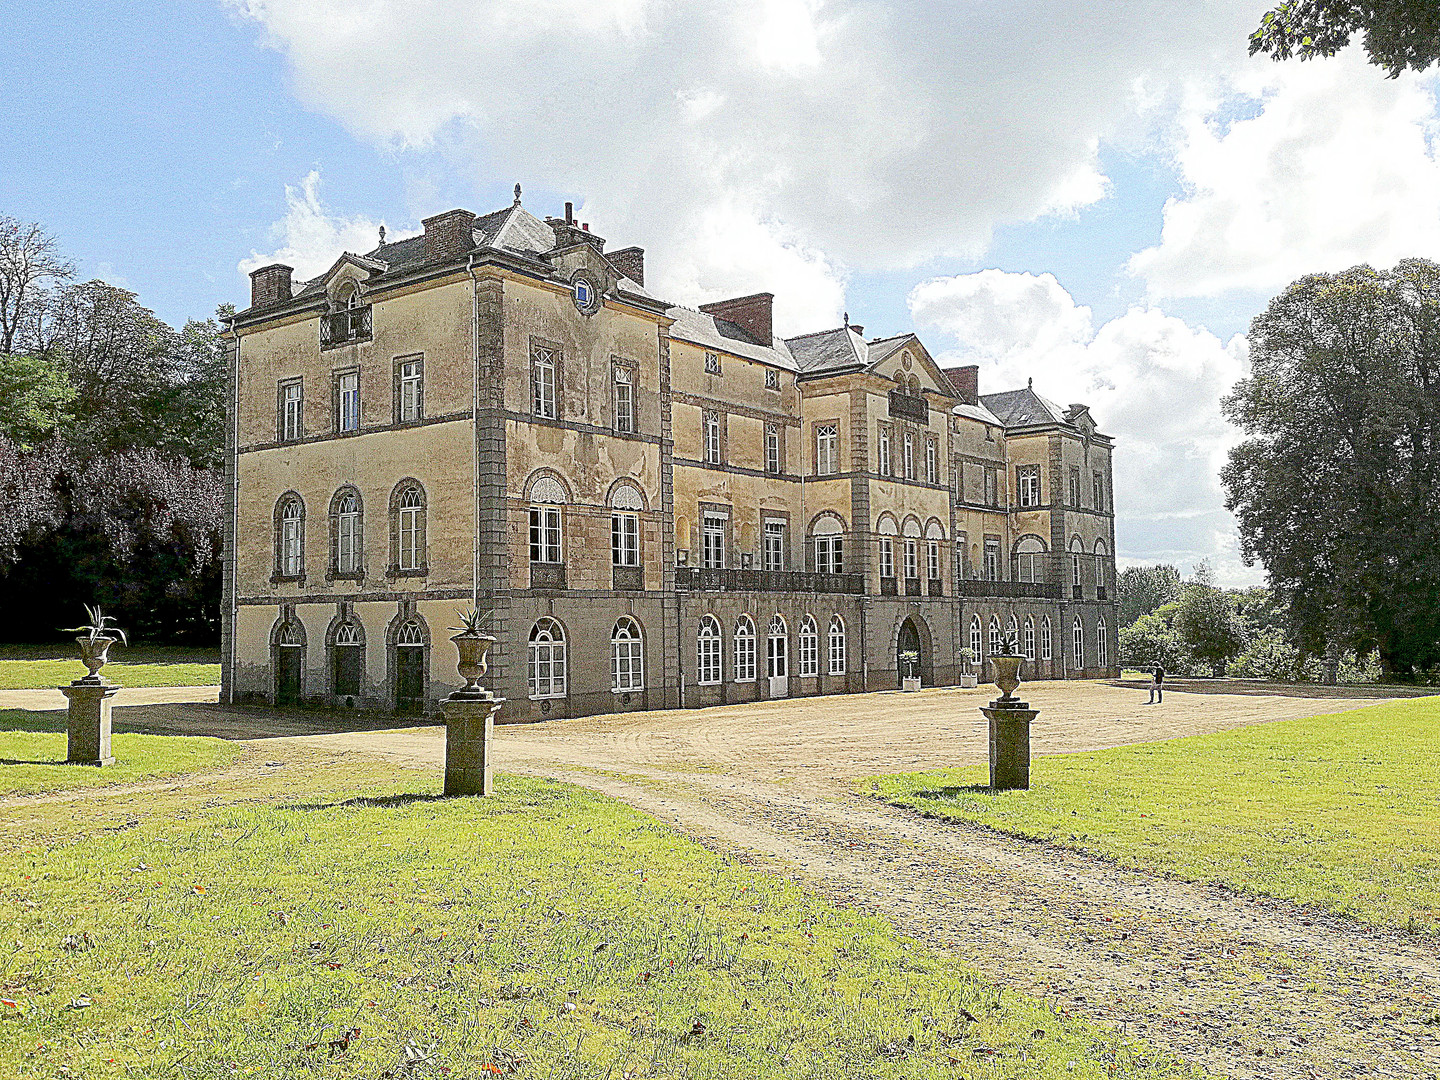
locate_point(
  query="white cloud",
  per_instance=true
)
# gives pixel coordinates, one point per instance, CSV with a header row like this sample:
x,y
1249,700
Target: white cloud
x,y
1336,166
311,238
1151,381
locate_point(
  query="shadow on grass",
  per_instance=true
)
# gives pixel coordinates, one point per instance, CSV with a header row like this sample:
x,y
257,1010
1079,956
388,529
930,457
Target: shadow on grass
x,y
33,720
955,792
51,761
383,801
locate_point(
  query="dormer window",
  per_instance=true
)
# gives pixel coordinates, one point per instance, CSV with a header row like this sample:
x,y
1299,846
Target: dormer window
x,y
349,318
582,293
585,292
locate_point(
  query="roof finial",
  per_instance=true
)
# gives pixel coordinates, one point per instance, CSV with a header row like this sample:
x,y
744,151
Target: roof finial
x,y
1030,383
517,194
382,235
847,318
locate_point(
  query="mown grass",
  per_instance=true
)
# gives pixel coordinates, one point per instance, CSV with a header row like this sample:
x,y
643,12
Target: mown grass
x,y
33,748
38,667
1336,811
546,930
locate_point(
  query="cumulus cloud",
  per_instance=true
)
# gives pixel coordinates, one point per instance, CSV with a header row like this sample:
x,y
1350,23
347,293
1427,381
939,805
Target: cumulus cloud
x,y
1334,166
310,236
1151,381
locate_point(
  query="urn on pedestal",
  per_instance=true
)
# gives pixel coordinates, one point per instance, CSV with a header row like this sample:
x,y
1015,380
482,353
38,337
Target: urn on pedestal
x,y
1009,719
470,712
89,717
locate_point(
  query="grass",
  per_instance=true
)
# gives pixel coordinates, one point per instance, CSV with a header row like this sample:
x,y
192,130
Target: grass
x,y
1336,811
35,667
32,756
247,925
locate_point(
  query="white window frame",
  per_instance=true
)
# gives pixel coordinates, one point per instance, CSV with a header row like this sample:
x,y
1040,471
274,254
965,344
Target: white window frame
x,y
627,657
412,375
992,559
543,382
349,403
912,559
1102,646
829,553
837,645
291,521
1028,482
809,648
827,449
624,539
709,649
1078,634
772,449
712,539
773,544
909,456
710,435
745,649
624,394
1027,641
547,661
882,450
347,534
997,637
932,462
712,363
292,412
545,535
1047,640
410,511
977,638
887,556
932,558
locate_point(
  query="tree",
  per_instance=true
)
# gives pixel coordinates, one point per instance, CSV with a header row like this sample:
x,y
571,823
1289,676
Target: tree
x,y
1399,34
34,395
1337,486
1145,588
29,257
1151,640
1206,622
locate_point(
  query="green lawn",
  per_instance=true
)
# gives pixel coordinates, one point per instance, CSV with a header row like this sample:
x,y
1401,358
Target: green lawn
x,y
32,755
1341,812
33,667
546,930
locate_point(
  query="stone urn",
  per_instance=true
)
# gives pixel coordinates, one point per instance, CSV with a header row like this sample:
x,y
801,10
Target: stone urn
x,y
94,654
1007,675
474,650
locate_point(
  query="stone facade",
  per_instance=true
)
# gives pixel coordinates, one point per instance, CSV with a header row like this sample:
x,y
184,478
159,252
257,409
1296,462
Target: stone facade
x,y
658,506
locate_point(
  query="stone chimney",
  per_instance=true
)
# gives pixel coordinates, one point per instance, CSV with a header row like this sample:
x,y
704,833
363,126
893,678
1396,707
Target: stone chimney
x,y
270,285
966,381
448,235
630,262
754,313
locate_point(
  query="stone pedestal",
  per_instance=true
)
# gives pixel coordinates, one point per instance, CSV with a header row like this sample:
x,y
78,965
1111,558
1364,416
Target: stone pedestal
x,y
89,742
469,732
1009,743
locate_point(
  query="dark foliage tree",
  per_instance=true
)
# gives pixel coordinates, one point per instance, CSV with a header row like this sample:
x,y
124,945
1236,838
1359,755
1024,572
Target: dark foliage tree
x,y
1206,622
1145,588
1399,34
1337,485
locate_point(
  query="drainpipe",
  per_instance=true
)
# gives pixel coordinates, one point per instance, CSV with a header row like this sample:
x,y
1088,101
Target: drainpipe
x,y
474,430
234,613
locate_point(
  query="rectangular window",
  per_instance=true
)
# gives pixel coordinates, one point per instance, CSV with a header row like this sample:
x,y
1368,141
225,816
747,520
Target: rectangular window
x,y
1027,483
992,488
711,424
774,545
992,559
827,449
625,540
624,400
712,541
912,559
291,414
347,526
772,379
544,534
909,456
410,376
772,448
712,363
829,555
883,451
1098,487
542,381
290,545
932,462
411,545
887,557
1075,487
347,416
932,558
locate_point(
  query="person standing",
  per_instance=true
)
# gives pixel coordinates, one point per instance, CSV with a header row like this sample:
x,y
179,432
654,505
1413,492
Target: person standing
x,y
1157,686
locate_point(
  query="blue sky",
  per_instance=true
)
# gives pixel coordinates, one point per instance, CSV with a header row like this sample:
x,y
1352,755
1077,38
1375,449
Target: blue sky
x,y
1047,188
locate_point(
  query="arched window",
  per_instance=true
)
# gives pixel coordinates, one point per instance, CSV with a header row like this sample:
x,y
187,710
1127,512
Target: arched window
x,y
887,547
708,652
348,295
744,649
408,529
777,649
809,647
290,537
1102,647
547,660
934,534
546,498
1013,631
1030,558
625,504
290,635
627,663
347,659
1077,554
1079,643
976,644
829,546
1027,641
1047,640
837,645
347,543
410,667
997,640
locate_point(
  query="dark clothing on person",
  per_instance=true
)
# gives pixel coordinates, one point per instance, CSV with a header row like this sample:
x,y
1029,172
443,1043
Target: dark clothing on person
x,y
1157,686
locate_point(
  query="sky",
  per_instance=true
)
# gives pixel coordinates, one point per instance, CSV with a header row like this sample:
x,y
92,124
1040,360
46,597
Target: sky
x,y
1096,194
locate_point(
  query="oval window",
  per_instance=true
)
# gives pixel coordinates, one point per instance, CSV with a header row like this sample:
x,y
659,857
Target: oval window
x,y
582,293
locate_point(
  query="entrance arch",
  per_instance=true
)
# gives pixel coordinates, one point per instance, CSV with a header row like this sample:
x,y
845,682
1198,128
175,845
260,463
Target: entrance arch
x,y
913,636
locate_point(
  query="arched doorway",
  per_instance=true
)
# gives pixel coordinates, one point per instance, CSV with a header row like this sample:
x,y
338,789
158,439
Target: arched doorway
x,y
910,655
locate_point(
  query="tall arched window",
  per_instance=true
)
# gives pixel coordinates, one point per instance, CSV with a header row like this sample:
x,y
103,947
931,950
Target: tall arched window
x,y
546,498
1030,558
1102,647
347,660
627,663
1079,643
1013,631
547,660
934,534
408,527
912,551
625,507
997,639
809,647
976,644
346,539
290,537
744,649
887,532
708,667
1047,640
410,667
777,649
1077,555
837,645
1027,643
829,546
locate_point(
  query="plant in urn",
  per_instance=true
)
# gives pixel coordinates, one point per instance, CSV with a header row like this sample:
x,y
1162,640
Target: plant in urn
x,y
470,712
95,640
1009,719
473,645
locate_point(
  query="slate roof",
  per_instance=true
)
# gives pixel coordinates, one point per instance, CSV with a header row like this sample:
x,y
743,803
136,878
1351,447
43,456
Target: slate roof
x,y
709,332
840,349
1023,408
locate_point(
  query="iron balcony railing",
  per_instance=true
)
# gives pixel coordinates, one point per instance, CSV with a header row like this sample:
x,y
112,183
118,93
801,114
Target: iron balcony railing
x,y
714,579
1008,590
345,326
909,406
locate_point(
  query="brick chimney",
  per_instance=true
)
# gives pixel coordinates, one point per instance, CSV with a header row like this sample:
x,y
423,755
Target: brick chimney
x,y
448,235
270,285
754,313
629,262
966,381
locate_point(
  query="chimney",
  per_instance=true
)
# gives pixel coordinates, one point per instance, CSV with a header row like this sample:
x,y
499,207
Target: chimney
x,y
753,312
569,213
270,285
966,381
448,235
630,262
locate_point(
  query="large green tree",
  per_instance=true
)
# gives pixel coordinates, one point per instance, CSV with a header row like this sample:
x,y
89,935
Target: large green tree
x,y
1145,588
1398,34
1206,622
1337,486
